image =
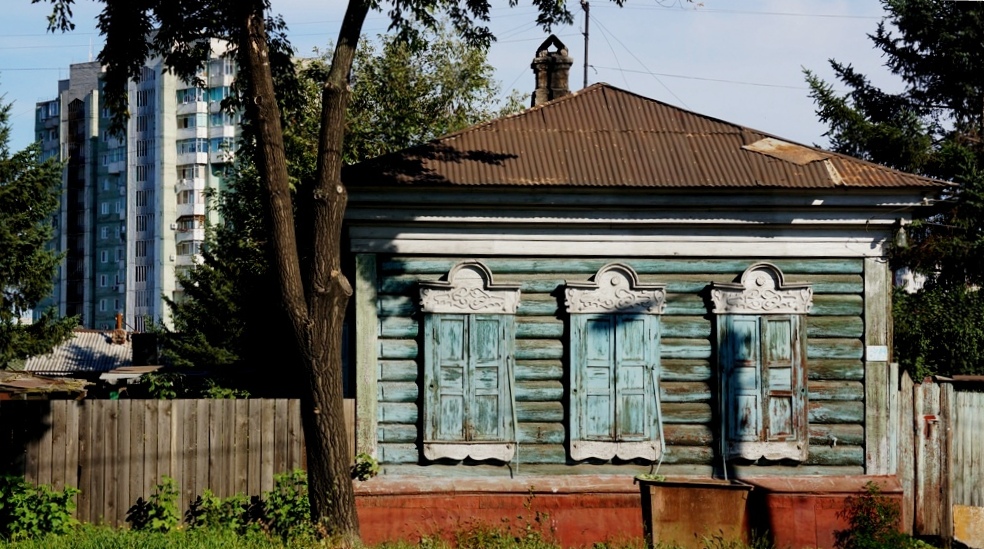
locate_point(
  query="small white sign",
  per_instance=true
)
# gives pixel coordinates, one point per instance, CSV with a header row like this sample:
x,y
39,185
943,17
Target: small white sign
x,y
876,353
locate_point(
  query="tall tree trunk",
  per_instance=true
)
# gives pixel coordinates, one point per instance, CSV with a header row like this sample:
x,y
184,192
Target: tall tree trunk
x,y
316,315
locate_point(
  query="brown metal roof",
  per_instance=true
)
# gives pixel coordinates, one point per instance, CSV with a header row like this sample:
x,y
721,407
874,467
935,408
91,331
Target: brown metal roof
x,y
603,136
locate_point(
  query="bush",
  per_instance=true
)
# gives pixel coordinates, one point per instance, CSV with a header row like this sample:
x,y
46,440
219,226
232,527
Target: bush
x,y
939,330
28,511
160,512
235,513
874,523
286,510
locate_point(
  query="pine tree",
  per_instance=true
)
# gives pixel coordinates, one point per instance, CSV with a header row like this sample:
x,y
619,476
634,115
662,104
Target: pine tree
x,y
933,127
29,190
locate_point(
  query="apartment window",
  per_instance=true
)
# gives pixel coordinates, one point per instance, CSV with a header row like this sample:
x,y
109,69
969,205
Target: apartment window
x,y
145,98
186,146
614,350
142,173
118,282
761,330
102,281
104,233
228,66
144,147
191,95
199,120
141,248
469,337
189,171
224,119
140,273
191,197
104,208
143,123
104,256
119,254
102,305
217,144
141,223
118,207
116,304
218,94
189,247
190,223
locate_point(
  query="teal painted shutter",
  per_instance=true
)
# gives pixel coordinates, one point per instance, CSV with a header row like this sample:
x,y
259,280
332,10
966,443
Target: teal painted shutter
x,y
449,376
633,384
487,363
597,380
743,378
468,391
783,373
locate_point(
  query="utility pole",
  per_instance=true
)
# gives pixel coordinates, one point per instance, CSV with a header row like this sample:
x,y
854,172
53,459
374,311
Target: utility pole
x,y
586,7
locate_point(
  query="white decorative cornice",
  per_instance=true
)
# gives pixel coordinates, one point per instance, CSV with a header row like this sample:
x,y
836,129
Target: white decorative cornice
x,y
615,288
469,289
761,291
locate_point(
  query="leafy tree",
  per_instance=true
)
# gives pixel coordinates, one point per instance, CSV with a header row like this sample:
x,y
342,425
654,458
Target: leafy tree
x,y
312,289
29,190
933,127
399,98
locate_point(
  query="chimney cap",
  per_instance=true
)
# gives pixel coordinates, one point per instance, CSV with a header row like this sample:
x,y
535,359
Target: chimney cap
x,y
551,40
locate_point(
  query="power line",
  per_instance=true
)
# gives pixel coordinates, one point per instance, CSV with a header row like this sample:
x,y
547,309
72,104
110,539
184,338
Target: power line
x,y
605,32
703,79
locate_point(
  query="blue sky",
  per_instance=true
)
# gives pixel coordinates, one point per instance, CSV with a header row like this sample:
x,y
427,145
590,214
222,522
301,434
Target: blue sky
x,y
737,60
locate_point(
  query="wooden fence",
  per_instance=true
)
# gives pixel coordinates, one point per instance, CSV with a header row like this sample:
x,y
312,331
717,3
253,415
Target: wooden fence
x,y
941,451
116,451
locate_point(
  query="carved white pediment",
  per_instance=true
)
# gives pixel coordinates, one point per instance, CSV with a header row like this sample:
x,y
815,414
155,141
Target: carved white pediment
x,y
469,289
615,288
761,291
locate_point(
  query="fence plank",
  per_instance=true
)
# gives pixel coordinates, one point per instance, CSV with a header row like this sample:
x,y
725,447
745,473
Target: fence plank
x,y
266,453
241,447
928,479
254,480
72,418
295,436
110,456
85,463
906,450
124,456
201,459
58,442
137,481
164,438
280,435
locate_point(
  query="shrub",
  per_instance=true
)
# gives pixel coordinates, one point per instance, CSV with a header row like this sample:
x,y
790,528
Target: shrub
x,y
286,509
873,523
159,513
233,513
28,511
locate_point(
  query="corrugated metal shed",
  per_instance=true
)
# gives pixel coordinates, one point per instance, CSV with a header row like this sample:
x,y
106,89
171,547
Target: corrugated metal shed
x,y
603,136
87,351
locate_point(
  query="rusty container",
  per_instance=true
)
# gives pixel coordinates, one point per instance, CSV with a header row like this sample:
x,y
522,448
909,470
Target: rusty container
x,y
683,512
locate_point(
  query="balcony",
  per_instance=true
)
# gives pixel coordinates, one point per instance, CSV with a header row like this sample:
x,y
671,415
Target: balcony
x,y
192,107
221,157
116,167
185,260
192,133
182,235
190,209
192,158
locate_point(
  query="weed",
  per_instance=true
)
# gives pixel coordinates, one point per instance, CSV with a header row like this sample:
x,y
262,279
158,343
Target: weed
x,y
365,467
159,513
873,523
28,511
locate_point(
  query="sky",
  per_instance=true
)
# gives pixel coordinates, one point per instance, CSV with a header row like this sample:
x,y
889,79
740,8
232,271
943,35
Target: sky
x,y
740,61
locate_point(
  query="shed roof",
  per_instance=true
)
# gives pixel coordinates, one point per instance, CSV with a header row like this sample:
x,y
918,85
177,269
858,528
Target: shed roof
x,y
86,351
603,136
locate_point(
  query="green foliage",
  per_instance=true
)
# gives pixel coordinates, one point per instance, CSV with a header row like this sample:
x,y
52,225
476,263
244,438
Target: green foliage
x,y
873,523
939,330
365,467
286,508
933,127
29,190
29,512
159,513
400,97
234,513
100,537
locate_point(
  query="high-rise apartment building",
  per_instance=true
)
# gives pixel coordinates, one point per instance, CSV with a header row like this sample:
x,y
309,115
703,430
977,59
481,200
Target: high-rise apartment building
x,y
133,210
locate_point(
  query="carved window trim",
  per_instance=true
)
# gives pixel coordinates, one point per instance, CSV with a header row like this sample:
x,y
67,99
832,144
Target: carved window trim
x,y
614,290
762,295
761,290
469,290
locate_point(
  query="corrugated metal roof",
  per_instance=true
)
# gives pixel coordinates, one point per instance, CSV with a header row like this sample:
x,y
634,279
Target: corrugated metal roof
x,y
86,351
603,136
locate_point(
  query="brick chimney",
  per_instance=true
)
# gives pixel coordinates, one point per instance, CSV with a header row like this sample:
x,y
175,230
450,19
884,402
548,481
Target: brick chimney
x,y
552,70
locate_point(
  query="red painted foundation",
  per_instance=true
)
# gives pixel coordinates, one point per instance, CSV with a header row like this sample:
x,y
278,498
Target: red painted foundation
x,y
581,510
